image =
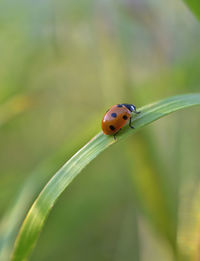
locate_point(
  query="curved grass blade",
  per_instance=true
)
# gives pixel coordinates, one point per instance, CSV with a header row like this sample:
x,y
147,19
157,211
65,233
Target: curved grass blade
x,y
39,211
194,6
15,214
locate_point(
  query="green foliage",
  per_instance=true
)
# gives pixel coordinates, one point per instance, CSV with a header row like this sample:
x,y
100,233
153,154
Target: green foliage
x,y
39,211
194,6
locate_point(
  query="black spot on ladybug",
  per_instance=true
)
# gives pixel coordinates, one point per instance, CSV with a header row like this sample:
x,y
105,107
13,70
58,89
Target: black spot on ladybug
x,y
114,115
112,127
125,117
119,105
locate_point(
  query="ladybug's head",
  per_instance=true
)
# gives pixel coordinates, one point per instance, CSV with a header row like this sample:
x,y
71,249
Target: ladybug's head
x,y
131,107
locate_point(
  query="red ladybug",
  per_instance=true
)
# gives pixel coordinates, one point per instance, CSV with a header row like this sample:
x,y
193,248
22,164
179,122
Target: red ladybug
x,y
116,117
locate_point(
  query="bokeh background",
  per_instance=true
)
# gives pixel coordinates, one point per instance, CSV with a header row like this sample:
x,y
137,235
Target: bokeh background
x,y
62,65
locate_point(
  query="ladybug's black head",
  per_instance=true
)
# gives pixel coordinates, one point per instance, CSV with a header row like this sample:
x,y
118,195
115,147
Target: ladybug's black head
x,y
131,107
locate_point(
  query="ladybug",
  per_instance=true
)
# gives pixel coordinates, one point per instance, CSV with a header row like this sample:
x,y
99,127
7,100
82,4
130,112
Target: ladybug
x,y
116,117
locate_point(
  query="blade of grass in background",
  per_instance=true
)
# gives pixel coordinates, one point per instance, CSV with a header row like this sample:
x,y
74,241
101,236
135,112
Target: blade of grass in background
x,y
150,191
194,6
39,211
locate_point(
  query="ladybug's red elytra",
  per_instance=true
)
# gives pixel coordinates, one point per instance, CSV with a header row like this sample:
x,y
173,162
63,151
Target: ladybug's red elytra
x,y
116,117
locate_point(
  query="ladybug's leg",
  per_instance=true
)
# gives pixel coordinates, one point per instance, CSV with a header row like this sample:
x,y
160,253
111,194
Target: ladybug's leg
x,y
130,124
116,134
136,112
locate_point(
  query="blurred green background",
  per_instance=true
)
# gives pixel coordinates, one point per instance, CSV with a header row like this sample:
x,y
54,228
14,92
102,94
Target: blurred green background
x,y
62,65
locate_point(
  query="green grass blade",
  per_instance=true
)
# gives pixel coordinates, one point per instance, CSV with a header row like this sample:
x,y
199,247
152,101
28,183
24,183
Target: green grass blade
x,y
39,211
15,214
194,6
